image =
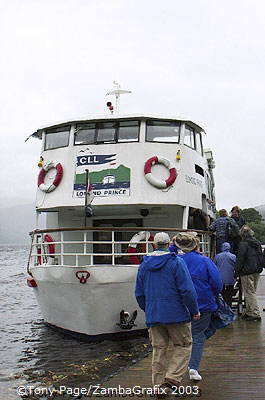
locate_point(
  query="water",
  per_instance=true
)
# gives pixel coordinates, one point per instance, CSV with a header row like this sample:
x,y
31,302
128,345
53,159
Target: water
x,y
32,352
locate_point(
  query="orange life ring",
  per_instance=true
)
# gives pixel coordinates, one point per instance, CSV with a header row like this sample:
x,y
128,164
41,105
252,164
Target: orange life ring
x,y
135,240
51,248
59,174
160,184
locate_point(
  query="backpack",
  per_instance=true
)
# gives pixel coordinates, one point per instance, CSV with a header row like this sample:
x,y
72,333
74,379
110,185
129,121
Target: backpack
x,y
261,260
232,229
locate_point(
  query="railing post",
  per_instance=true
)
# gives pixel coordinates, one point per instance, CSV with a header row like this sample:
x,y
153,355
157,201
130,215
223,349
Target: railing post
x,y
185,217
113,246
62,248
85,244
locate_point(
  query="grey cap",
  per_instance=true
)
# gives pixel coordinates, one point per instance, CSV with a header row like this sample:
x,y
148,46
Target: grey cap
x,y
161,238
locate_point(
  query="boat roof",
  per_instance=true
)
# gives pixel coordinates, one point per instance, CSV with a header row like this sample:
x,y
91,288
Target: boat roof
x,y
108,117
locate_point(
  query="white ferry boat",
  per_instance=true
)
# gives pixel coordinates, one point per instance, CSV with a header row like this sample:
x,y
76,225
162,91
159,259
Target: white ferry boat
x,y
107,185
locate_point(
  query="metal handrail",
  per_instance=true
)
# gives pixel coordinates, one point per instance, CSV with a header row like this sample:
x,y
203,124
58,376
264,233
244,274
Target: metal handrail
x,y
39,247
117,229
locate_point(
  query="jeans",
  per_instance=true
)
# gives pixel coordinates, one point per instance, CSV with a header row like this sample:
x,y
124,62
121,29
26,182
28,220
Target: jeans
x,y
197,329
227,294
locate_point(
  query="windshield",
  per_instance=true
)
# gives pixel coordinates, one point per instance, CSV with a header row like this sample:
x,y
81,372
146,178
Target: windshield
x,y
107,132
162,131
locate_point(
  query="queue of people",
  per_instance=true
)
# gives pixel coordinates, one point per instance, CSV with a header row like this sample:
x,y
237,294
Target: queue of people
x,y
227,228
239,255
178,293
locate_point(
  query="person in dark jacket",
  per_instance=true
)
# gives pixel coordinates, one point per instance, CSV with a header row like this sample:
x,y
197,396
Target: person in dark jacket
x,y
248,267
164,290
208,284
200,220
220,227
240,221
237,216
226,262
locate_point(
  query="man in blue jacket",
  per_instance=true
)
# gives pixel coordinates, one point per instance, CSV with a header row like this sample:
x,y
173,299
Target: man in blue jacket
x,y
221,227
208,284
165,292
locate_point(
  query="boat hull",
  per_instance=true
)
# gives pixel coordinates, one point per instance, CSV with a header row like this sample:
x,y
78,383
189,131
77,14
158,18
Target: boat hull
x,y
89,308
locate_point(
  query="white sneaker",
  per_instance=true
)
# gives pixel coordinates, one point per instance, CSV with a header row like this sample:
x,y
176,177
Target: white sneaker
x,y
194,375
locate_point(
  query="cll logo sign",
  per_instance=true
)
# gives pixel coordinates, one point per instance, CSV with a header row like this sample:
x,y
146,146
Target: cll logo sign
x,y
96,159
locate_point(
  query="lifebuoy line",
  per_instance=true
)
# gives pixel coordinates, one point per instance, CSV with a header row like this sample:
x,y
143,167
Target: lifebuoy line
x,y
51,249
49,188
135,240
154,181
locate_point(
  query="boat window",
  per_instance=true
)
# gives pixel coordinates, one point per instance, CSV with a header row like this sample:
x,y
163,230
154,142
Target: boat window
x,y
85,133
208,185
57,137
128,131
162,131
199,143
119,236
189,137
199,170
106,132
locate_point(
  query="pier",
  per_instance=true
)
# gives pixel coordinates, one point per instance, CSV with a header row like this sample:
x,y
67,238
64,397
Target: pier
x,y
233,365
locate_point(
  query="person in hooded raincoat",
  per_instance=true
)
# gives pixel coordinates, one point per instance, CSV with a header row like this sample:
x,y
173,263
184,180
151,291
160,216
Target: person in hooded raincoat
x,y
226,262
164,290
248,268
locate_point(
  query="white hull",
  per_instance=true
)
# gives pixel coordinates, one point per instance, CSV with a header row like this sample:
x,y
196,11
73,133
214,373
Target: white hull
x,y
92,308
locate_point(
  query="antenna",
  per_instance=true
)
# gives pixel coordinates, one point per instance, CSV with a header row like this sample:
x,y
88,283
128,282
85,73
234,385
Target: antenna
x,y
116,92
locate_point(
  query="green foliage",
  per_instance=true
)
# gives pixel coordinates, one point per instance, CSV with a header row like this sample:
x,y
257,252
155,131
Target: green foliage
x,y
254,220
251,215
259,229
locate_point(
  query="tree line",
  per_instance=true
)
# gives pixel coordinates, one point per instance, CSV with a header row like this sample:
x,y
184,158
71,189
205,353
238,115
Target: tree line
x,y
255,221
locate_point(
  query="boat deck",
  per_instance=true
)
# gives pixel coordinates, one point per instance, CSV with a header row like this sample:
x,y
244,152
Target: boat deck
x,y
233,365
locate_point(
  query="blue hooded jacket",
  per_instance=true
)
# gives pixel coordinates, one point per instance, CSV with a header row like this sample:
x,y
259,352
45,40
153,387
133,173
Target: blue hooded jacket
x,y
173,248
206,279
226,263
164,290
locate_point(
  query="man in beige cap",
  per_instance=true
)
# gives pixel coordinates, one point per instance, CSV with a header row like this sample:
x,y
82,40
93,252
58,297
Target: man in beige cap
x,y
165,292
208,284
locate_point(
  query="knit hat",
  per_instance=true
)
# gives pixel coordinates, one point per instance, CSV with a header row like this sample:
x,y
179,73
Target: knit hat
x,y
186,241
161,238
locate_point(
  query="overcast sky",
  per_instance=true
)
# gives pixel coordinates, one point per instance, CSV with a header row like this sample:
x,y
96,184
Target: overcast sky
x,y
201,59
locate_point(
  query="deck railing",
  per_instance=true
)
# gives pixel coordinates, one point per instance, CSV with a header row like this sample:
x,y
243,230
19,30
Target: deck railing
x,y
97,246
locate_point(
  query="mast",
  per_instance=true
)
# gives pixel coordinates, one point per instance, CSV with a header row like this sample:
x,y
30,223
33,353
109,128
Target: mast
x,y
116,92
